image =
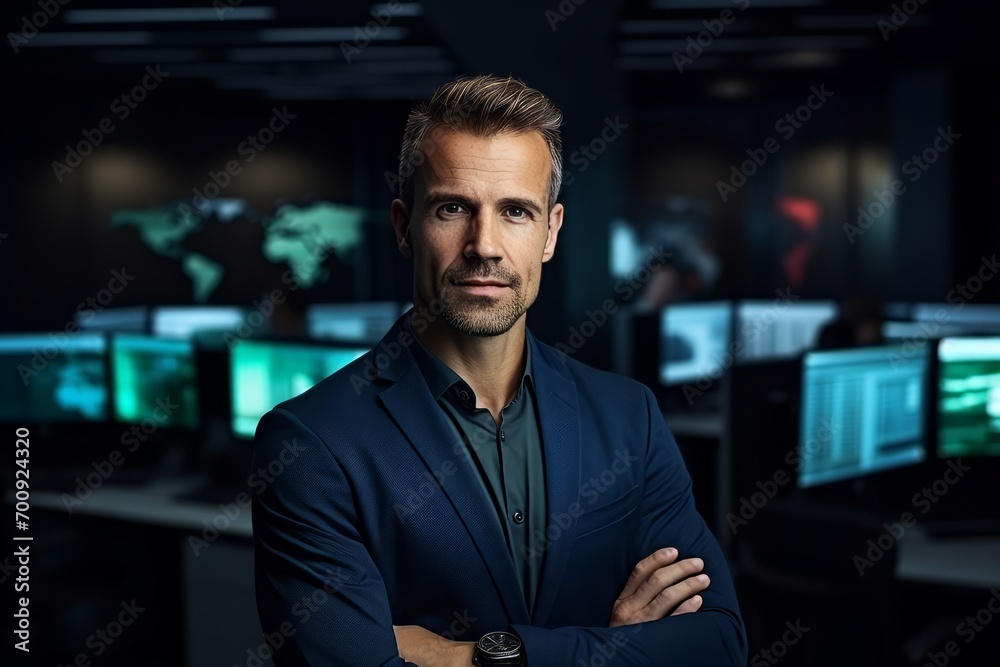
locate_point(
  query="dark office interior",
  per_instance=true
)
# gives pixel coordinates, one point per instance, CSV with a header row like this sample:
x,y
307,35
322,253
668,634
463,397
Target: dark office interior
x,y
781,216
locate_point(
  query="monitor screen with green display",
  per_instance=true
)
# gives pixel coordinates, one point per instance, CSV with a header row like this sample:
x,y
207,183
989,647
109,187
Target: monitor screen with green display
x,y
154,380
968,397
53,378
265,373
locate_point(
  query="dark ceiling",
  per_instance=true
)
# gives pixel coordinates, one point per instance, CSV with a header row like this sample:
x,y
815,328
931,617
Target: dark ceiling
x,y
362,51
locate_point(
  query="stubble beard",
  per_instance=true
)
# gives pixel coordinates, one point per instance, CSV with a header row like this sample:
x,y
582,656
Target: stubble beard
x,y
481,315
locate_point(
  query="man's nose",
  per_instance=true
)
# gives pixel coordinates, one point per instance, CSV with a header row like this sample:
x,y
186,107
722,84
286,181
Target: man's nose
x,y
484,237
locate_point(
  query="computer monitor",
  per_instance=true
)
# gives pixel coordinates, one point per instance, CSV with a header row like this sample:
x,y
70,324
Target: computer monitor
x,y
155,380
968,397
695,340
862,411
897,310
50,379
975,317
352,322
265,373
187,321
922,331
114,319
777,330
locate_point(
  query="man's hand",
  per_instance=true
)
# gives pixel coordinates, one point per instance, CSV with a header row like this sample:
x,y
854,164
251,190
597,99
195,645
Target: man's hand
x,y
658,586
427,649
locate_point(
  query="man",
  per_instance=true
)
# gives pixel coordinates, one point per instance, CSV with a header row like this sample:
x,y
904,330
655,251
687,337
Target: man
x,y
465,492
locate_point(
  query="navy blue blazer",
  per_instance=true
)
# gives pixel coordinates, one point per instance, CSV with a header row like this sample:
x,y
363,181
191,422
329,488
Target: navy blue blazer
x,y
374,517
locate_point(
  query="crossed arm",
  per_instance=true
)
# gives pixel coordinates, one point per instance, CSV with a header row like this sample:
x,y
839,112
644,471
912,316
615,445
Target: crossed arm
x,y
653,620
658,586
313,568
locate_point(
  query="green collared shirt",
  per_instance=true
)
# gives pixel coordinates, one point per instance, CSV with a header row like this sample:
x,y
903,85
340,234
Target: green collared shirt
x,y
508,457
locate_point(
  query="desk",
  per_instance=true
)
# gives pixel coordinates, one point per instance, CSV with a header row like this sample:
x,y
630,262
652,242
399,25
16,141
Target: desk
x,y
706,425
219,606
155,504
973,562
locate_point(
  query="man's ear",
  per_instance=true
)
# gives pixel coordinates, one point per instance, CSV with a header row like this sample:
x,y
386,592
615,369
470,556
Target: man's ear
x,y
555,224
401,225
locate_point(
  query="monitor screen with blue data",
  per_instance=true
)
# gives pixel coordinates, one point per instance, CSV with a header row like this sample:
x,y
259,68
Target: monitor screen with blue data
x,y
187,321
114,319
265,373
352,322
968,397
862,411
976,317
155,380
695,341
779,329
53,378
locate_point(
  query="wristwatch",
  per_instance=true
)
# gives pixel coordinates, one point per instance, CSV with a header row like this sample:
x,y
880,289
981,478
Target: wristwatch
x,y
498,648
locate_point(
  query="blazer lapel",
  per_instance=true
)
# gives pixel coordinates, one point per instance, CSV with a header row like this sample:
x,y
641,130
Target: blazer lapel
x,y
424,424
558,410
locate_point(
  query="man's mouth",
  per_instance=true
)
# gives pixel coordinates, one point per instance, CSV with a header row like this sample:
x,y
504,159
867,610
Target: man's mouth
x,y
482,287
482,283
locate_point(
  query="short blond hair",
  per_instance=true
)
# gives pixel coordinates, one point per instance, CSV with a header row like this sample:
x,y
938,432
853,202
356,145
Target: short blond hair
x,y
484,106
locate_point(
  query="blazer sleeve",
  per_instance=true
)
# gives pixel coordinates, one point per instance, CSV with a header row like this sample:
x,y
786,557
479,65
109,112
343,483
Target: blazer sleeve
x,y
712,636
319,596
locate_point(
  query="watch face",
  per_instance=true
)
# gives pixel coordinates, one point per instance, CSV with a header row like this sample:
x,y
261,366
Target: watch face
x,y
499,644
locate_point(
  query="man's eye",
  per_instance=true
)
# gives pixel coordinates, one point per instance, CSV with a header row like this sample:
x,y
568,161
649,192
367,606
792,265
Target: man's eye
x,y
451,209
518,213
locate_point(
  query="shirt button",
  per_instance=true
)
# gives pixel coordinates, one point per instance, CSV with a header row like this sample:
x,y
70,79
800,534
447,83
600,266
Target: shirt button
x,y
503,436
464,395
518,518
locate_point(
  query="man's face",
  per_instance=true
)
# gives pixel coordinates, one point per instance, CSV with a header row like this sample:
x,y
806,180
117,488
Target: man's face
x,y
480,228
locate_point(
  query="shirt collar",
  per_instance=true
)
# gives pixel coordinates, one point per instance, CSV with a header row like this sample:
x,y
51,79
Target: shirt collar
x,y
442,380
